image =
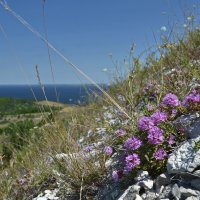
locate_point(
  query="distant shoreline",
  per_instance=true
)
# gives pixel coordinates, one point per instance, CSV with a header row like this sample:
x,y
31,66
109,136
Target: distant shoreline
x,y
50,84
67,94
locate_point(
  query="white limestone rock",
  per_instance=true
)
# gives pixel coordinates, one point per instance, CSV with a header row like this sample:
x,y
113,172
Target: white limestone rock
x,y
184,159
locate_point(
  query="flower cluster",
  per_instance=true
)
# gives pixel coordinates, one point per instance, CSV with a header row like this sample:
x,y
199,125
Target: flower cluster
x,y
150,107
120,132
171,100
155,135
174,112
158,117
149,124
145,123
193,97
148,87
117,174
151,89
160,154
88,148
131,162
132,143
108,150
154,128
171,139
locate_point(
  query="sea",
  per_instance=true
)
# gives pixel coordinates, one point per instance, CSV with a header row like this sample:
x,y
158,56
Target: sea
x,y
69,94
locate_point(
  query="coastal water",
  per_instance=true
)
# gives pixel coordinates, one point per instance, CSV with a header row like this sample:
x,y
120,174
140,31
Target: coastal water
x,y
70,94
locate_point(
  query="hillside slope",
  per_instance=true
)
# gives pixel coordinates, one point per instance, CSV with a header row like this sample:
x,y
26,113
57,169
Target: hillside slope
x,y
97,152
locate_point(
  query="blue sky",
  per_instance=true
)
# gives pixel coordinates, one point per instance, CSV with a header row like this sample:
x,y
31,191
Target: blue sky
x,y
86,32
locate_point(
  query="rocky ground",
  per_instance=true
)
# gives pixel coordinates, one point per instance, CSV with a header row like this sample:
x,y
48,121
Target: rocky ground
x,y
180,181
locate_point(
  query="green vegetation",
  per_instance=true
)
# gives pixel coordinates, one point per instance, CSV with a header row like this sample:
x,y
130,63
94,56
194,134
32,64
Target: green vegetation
x,y
17,121
197,146
16,137
11,106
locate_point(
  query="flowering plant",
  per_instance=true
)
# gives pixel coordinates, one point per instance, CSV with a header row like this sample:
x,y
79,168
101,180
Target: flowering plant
x,y
156,135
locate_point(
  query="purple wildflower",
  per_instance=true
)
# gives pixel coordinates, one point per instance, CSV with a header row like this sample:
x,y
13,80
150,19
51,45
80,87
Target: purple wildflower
x,y
150,84
117,174
88,148
171,139
149,107
132,143
155,135
120,132
108,150
171,100
181,131
145,89
193,97
158,117
148,87
160,154
131,162
174,112
145,123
